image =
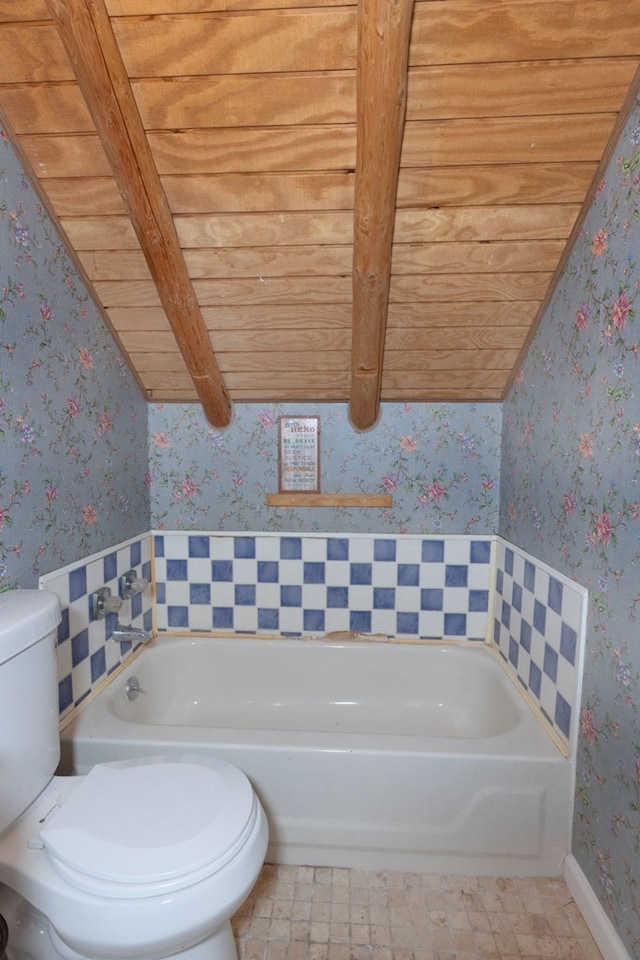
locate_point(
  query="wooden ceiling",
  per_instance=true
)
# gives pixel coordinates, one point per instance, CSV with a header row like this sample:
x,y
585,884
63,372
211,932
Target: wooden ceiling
x,y
262,218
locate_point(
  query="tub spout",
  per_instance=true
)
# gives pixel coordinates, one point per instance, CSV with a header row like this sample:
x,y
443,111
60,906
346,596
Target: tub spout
x,y
122,633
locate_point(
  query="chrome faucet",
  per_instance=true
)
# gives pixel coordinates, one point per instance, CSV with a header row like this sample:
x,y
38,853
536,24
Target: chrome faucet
x,y
122,633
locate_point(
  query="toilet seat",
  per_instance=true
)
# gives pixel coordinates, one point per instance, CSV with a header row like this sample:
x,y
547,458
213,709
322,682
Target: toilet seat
x,y
149,826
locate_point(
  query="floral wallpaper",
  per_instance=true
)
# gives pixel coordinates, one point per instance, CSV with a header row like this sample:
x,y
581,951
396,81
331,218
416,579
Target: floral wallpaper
x,y
570,495
73,423
440,462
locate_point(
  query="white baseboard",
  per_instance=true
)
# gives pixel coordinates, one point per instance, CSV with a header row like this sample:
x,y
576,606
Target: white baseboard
x,y
602,930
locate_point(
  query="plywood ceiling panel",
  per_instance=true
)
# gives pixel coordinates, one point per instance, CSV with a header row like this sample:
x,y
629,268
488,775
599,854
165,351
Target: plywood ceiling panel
x,y
246,123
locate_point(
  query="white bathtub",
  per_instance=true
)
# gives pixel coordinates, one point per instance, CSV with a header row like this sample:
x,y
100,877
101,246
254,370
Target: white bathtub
x,y
371,755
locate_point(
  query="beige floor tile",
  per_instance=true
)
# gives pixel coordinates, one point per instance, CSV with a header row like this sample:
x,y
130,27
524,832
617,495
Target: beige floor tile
x,y
339,951
331,913
296,950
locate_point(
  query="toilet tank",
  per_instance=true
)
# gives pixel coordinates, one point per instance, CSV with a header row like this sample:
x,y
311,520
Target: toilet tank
x,y
29,740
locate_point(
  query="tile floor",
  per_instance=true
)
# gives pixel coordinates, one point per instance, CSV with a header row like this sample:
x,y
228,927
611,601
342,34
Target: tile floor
x,y
328,913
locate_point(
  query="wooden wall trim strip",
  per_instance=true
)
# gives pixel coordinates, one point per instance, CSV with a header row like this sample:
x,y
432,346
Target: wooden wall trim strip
x,y
384,29
85,29
379,500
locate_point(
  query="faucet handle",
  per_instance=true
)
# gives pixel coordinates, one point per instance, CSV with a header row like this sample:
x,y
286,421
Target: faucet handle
x,y
131,583
102,603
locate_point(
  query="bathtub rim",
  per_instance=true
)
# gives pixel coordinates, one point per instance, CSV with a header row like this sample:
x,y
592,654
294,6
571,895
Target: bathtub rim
x,y
465,746
158,636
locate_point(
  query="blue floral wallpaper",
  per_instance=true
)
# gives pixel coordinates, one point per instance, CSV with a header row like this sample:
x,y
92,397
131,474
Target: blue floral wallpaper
x,y
570,495
440,462
73,423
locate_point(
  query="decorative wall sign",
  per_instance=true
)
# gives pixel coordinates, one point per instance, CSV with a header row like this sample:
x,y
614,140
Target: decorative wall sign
x,y
299,455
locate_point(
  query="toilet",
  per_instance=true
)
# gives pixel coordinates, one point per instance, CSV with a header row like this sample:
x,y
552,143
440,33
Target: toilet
x,y
143,859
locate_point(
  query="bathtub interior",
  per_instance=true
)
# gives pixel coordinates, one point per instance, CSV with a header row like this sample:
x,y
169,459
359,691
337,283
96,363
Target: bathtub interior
x,y
310,685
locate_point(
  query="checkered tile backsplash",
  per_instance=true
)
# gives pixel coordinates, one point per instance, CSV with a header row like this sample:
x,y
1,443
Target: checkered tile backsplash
x,y
395,586
86,655
539,627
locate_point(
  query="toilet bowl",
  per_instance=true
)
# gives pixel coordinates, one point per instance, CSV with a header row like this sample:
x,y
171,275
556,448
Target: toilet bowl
x,y
138,860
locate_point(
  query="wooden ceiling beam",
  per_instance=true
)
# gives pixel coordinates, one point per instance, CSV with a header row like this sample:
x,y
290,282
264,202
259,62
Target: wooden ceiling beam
x,y
384,29
85,29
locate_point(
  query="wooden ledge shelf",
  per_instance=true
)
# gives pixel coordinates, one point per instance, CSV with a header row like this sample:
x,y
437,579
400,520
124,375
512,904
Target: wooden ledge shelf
x,y
329,500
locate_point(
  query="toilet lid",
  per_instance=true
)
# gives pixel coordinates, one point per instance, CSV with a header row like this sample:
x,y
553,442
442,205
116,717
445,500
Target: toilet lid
x,y
141,827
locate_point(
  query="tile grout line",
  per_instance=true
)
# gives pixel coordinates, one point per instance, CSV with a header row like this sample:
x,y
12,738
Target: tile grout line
x,y
325,913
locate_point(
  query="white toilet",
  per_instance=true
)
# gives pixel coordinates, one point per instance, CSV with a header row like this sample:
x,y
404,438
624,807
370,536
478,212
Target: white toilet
x,y
137,859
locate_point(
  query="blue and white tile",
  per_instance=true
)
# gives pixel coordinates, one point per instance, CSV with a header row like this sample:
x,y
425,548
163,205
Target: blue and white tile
x,y
336,619
245,570
384,574
336,572
477,626
432,575
551,622
456,550
314,549
314,596
431,624
223,593
384,622
222,547
200,617
266,548
180,594
409,550
291,620
267,594
361,550
199,569
245,619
